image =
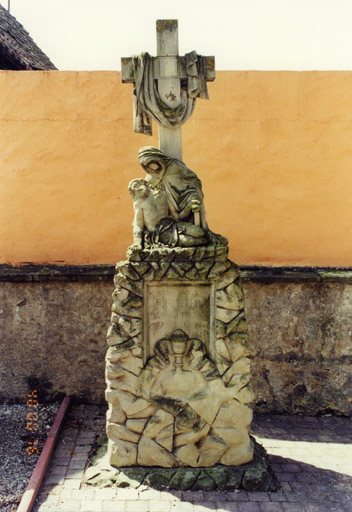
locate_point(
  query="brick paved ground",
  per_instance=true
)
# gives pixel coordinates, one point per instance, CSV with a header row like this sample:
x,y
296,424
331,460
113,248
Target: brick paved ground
x,y
311,457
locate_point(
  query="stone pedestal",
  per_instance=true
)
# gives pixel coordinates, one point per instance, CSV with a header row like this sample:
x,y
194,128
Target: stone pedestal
x,y
177,367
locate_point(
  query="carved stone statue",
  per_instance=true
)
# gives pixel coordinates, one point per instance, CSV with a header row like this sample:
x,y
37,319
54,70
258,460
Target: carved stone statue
x,y
182,186
177,367
168,204
152,226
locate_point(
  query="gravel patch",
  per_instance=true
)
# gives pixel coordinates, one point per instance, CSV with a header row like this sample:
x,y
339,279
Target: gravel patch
x,y
20,447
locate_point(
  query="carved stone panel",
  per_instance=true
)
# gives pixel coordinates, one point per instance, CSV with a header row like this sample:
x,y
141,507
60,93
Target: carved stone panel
x,y
177,305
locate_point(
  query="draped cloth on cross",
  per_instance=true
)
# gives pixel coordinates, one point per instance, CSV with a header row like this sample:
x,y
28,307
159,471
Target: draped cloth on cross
x,y
147,102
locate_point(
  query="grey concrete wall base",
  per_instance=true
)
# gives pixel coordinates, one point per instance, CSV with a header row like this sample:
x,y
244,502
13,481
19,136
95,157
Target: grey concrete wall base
x,y
53,323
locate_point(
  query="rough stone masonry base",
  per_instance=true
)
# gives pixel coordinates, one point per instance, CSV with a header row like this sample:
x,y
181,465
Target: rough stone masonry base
x,y
177,366
253,476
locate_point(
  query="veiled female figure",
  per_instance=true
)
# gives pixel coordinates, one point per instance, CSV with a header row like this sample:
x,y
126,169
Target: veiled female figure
x,y
182,186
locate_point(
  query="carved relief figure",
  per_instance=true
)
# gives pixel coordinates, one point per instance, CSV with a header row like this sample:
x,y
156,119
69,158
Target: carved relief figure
x,y
150,207
152,225
182,186
168,204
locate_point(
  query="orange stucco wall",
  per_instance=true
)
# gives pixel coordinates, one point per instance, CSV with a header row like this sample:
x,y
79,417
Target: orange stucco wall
x,y
273,149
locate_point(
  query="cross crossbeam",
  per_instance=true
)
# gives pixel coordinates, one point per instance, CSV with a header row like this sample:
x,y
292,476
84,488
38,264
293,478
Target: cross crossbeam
x,y
170,71
127,74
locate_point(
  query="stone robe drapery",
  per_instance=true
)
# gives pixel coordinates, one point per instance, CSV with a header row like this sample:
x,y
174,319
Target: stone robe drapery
x,y
147,103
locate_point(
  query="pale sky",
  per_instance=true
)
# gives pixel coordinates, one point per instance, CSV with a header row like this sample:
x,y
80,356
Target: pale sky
x,y
242,34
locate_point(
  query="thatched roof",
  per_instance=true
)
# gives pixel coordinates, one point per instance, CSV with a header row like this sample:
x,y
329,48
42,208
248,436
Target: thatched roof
x,y
17,48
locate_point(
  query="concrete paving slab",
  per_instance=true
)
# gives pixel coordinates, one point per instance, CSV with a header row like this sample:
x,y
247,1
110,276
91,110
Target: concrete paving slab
x,y
311,458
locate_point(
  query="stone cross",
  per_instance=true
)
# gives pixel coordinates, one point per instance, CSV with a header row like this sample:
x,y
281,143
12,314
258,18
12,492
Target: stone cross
x,y
169,70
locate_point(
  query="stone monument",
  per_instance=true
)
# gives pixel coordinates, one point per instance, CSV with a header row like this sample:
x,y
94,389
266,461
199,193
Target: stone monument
x,y
177,366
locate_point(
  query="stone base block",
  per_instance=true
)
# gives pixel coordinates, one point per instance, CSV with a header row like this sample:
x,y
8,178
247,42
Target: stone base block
x,y
177,366
253,476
